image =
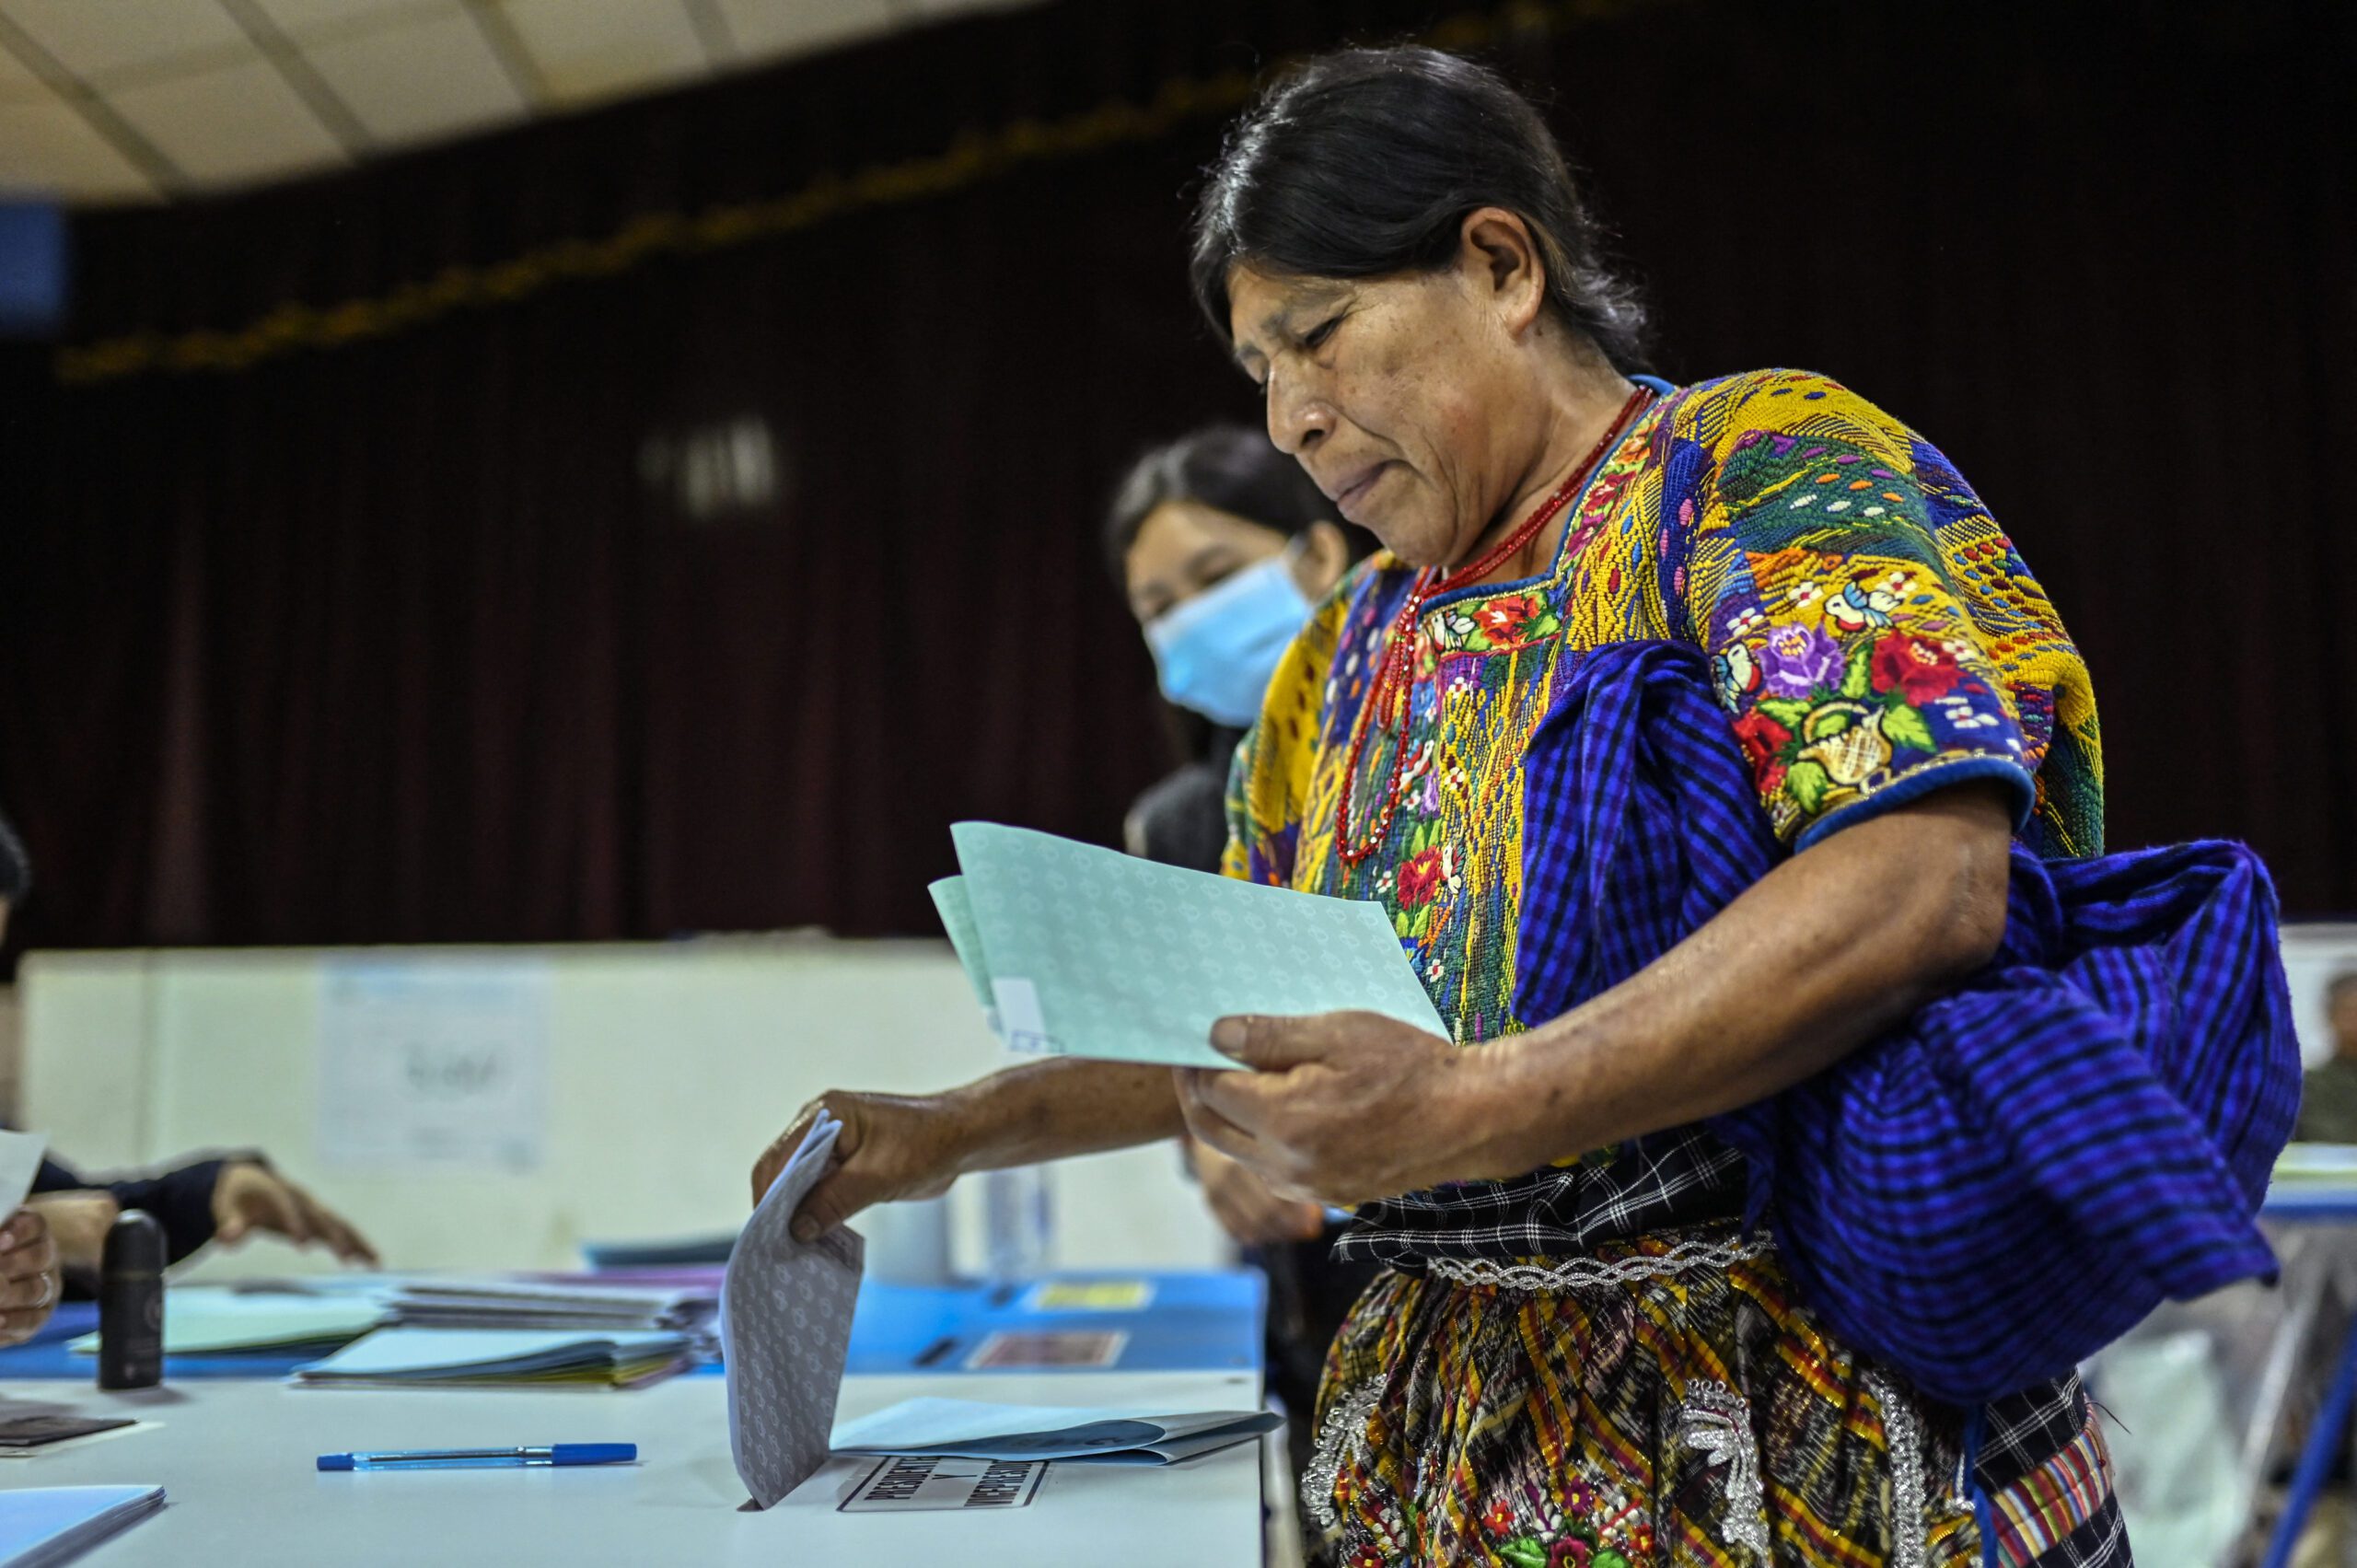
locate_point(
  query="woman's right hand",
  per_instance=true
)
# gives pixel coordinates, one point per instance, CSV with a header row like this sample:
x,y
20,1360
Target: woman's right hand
x,y
30,1281
892,1147
1245,1207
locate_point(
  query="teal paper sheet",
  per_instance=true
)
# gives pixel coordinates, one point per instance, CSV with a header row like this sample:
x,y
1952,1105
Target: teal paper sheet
x,y
1082,951
958,919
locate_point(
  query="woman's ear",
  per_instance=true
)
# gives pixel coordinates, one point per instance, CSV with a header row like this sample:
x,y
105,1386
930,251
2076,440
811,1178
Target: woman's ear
x,y
1322,559
1501,257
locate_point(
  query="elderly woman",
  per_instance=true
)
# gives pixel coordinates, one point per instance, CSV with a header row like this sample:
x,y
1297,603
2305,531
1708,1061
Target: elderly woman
x,y
1695,740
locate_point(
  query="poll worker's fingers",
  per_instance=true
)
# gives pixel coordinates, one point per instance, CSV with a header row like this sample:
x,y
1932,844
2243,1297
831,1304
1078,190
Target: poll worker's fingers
x,y
339,1236
25,1229
248,1197
21,1292
324,1226
32,1255
78,1222
31,1282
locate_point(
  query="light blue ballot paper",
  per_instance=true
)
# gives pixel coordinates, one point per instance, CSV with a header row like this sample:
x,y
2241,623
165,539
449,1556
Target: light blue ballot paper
x,y
968,1429
45,1526
1082,951
958,919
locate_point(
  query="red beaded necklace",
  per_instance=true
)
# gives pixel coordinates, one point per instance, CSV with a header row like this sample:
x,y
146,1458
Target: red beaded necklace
x,y
1388,697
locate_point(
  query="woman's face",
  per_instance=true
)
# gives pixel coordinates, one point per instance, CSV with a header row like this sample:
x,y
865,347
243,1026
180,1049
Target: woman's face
x,y
1184,547
1408,399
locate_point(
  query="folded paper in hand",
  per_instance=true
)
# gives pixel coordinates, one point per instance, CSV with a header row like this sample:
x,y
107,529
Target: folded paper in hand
x,y
966,1429
20,1156
785,1312
1081,951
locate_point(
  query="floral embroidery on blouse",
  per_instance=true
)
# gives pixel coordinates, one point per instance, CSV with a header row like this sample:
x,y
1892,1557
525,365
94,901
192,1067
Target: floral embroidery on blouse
x,y
1874,636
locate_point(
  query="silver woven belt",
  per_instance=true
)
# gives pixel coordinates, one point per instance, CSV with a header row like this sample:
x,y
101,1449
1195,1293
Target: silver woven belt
x,y
1588,1273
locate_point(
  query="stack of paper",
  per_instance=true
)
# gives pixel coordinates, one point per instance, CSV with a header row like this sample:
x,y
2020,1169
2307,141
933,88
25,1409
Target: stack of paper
x,y
44,1524
202,1320
972,1431
500,1358
1081,951
429,1303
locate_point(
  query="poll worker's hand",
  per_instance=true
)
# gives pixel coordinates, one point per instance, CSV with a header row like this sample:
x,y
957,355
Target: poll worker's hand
x,y
1245,1206
31,1282
892,1148
249,1198
1341,1106
77,1223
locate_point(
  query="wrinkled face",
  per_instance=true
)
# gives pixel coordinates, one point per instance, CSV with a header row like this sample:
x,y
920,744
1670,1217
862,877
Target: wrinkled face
x,y
1401,396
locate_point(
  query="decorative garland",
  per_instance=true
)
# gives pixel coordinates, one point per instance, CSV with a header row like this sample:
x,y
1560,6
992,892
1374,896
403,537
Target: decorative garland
x,y
970,157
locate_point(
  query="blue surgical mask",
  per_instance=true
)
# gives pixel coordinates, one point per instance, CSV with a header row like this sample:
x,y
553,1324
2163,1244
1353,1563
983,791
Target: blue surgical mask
x,y
1217,651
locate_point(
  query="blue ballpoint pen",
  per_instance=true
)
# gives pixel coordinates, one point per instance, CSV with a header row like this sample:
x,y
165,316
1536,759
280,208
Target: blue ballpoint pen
x,y
482,1459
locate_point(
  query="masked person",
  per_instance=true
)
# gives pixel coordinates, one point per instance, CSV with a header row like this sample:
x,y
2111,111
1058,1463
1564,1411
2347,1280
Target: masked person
x,y
1222,544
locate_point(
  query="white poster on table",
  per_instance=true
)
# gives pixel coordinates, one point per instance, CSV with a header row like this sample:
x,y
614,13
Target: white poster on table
x,y
434,1064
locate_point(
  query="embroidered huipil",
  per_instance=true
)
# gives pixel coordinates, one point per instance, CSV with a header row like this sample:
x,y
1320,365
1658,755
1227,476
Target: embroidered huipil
x,y
1871,636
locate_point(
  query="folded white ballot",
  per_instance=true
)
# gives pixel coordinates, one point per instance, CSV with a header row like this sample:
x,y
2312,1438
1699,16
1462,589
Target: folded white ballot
x,y
785,1313
968,1428
20,1157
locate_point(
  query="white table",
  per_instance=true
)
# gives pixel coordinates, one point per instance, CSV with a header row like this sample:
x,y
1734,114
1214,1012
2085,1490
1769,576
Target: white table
x,y
236,1460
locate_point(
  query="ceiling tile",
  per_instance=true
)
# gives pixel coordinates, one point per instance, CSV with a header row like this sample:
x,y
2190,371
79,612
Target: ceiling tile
x,y
97,38
426,78
771,30
230,127
335,19
46,148
16,79
588,50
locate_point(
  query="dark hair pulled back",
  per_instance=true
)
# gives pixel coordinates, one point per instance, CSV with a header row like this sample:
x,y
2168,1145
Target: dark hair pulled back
x,y
1222,466
1366,162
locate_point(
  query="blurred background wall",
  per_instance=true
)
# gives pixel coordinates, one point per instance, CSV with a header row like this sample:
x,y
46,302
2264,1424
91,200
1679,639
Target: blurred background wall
x,y
671,518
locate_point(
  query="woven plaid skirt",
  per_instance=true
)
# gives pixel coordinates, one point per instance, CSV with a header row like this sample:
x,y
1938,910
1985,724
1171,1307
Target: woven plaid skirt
x,y
1666,1402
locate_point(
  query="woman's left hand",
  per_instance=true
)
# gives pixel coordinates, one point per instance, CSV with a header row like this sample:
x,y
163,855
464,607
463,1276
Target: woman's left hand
x,y
1343,1106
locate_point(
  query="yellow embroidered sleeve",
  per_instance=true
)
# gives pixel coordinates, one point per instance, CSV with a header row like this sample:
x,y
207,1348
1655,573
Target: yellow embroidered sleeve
x,y
1268,784
1874,634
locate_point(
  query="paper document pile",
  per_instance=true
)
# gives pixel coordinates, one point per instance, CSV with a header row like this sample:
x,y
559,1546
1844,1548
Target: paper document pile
x,y
430,1303
1080,951
44,1524
493,1301
208,1321
973,1431
500,1358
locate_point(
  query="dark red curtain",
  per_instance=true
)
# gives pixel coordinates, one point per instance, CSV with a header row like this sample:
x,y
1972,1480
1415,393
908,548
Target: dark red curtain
x,y
419,638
